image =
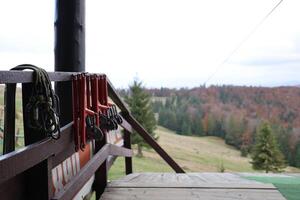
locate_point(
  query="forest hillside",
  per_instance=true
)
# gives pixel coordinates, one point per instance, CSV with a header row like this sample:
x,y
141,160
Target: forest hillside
x,y
233,113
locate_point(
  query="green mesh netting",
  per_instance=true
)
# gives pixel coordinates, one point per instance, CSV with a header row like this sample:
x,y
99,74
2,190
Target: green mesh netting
x,y
289,187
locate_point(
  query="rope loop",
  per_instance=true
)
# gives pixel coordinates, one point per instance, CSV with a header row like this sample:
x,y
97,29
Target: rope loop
x,y
42,110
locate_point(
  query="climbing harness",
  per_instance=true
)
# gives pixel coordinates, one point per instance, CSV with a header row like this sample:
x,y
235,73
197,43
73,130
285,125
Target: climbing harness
x,y
42,110
92,114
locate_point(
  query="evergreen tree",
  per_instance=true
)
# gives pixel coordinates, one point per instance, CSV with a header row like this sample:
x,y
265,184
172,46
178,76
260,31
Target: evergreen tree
x,y
140,107
186,128
266,154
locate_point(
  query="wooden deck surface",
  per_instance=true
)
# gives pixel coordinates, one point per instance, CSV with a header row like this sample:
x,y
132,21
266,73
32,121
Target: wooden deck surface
x,y
206,186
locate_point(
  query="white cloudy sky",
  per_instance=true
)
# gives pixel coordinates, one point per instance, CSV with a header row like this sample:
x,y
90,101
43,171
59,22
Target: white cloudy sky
x,y
171,43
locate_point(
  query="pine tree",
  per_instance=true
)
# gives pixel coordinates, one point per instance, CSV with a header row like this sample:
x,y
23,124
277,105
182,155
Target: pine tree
x,y
141,108
266,154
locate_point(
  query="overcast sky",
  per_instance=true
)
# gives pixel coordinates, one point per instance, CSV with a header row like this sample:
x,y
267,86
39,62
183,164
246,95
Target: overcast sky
x,y
170,43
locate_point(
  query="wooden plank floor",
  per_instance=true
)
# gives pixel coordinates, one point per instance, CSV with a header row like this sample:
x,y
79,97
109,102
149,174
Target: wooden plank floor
x,y
206,186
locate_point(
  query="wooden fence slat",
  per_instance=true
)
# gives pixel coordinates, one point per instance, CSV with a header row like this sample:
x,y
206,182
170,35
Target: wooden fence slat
x,y
9,118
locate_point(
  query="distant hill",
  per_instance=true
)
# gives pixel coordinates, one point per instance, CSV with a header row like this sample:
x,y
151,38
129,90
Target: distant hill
x,y
280,104
233,113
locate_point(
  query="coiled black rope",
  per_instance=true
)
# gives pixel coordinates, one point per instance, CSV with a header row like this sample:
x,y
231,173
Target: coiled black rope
x,y
42,111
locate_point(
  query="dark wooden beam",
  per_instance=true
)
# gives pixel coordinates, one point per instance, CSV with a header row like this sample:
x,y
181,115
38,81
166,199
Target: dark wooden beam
x,y
14,188
100,181
147,137
31,135
69,49
16,162
84,174
127,144
70,36
15,76
9,118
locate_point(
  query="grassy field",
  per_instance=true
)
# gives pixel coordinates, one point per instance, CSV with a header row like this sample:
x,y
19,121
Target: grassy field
x,y
194,154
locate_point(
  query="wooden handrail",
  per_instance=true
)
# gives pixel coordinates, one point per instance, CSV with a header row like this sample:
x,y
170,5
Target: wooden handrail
x,y
15,76
16,162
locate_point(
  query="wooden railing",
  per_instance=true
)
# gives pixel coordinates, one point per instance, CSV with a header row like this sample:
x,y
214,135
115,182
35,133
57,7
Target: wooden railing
x,y
27,173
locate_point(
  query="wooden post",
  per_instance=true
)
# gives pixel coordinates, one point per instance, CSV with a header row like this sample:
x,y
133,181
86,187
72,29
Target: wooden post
x,y
127,144
9,118
38,178
69,49
101,174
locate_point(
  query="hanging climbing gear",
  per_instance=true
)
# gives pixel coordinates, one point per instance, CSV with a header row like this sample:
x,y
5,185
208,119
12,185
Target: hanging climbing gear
x,y
93,116
117,117
42,110
85,116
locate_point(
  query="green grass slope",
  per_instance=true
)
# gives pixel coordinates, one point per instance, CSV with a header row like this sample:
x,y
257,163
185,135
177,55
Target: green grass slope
x,y
194,154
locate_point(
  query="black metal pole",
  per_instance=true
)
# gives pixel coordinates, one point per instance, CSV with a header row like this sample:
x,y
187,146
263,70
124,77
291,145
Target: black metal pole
x,y
69,49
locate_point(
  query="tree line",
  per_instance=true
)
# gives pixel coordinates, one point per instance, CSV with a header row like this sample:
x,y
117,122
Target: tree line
x,y
222,112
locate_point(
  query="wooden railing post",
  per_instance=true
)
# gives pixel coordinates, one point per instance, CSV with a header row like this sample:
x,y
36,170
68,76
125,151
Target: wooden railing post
x,y
9,118
127,144
101,174
38,178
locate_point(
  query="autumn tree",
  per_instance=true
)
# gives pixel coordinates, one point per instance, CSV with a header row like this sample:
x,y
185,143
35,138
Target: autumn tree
x,y
266,154
141,108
